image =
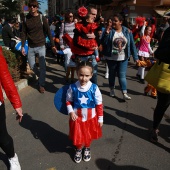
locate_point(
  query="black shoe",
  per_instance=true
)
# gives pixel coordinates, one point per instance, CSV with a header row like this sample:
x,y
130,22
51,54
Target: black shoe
x,y
87,155
67,82
78,156
154,97
142,81
72,81
146,93
154,136
138,76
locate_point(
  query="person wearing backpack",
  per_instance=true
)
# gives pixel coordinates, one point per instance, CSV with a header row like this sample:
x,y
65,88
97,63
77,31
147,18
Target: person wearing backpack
x,y
34,29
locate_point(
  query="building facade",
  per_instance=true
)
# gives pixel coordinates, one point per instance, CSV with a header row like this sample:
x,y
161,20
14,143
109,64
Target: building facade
x,y
59,6
132,8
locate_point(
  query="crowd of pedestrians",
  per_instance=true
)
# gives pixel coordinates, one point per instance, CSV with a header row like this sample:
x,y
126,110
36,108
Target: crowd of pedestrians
x,y
80,42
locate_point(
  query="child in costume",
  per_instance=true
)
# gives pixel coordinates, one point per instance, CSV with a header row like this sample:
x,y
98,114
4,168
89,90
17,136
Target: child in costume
x,y
80,44
84,105
144,49
148,63
70,64
136,30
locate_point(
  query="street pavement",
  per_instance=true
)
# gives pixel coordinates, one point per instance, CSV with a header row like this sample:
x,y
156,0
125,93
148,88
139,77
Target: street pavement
x,y
41,140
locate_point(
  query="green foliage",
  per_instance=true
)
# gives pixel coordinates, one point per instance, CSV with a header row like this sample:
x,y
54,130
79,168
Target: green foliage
x,y
9,8
13,64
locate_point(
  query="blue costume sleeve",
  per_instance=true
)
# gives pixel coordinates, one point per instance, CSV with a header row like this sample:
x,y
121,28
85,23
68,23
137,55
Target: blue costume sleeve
x,y
60,52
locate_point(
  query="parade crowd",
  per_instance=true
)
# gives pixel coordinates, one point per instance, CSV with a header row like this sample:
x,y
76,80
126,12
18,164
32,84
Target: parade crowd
x,y
79,41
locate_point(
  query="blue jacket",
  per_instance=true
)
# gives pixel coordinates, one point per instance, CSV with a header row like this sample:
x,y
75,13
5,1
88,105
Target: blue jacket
x,y
107,43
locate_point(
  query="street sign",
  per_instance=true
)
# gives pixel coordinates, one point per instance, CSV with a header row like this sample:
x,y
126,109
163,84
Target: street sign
x,y
25,8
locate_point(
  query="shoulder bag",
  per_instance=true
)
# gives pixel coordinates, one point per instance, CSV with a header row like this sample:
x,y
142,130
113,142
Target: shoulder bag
x,y
159,76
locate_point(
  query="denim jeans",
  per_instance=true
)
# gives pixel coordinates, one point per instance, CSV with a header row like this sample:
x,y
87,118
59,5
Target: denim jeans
x,y
41,73
118,68
94,64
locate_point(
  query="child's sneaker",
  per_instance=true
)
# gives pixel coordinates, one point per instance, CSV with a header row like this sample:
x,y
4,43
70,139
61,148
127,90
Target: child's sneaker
x,y
14,163
112,93
126,97
142,81
78,156
106,75
154,136
87,155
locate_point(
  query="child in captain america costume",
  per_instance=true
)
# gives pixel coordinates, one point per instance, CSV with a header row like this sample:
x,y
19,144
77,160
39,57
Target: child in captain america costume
x,y
84,105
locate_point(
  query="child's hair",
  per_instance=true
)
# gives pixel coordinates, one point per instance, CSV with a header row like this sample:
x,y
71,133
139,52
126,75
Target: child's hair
x,y
81,64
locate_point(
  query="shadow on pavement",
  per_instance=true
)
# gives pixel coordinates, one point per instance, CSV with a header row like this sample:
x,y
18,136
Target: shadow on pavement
x,y
139,121
53,140
104,164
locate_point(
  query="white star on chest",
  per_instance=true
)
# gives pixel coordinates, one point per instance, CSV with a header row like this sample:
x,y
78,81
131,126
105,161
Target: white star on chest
x,y
83,99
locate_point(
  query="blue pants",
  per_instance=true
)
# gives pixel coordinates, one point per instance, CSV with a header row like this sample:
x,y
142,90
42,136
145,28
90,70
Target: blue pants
x,y
118,68
41,73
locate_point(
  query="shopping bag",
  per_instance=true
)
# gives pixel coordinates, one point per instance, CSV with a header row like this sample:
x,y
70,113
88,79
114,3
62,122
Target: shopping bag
x,y
159,76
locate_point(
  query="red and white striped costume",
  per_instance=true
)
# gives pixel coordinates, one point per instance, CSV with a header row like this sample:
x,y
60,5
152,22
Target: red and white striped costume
x,y
86,102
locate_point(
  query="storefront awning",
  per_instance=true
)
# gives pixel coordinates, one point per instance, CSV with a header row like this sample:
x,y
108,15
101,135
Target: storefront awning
x,y
162,12
167,13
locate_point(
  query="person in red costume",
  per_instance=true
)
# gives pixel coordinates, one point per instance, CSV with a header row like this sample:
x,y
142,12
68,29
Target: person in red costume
x,y
136,30
84,44
6,141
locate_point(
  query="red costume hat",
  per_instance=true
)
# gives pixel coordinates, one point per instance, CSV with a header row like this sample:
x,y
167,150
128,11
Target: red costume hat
x,y
82,11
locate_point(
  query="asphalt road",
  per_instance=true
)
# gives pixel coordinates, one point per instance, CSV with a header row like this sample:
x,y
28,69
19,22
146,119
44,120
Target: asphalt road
x,y
41,140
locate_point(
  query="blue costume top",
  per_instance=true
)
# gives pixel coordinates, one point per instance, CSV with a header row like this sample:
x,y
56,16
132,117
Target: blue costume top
x,y
84,99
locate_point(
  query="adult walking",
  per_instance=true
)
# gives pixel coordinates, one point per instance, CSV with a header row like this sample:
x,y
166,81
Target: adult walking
x,y
6,141
83,45
163,101
84,37
34,29
118,46
107,27
68,27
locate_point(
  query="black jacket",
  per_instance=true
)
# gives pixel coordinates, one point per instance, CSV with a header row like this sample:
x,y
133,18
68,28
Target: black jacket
x,y
163,51
7,34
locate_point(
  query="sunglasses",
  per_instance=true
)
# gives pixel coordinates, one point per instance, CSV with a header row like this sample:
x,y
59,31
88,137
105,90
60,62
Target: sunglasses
x,y
71,16
34,6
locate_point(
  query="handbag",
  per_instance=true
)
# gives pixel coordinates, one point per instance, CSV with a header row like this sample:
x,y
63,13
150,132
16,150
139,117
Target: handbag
x,y
159,76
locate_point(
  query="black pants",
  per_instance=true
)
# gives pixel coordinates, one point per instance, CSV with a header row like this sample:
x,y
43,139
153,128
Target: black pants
x,y
162,105
6,141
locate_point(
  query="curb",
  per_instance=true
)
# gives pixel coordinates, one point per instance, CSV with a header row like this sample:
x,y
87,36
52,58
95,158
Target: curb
x,y
19,85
